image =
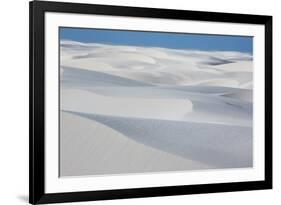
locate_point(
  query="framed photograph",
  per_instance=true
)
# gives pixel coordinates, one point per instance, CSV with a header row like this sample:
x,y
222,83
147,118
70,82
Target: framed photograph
x,y
140,102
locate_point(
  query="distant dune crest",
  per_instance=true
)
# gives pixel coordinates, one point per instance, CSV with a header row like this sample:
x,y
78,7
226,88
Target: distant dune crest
x,y
161,66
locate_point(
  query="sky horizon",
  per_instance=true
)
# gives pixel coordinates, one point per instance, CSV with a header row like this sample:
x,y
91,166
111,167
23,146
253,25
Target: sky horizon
x,y
204,42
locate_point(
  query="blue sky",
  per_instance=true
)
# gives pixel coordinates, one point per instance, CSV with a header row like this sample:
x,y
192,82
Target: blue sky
x,y
159,39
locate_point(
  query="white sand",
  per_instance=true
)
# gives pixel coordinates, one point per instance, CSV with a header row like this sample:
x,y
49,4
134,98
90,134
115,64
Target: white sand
x,y
89,147
129,109
157,103
89,102
159,65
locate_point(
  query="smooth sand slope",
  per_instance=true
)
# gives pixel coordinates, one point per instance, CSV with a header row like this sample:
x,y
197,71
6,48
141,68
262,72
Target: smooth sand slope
x,y
157,103
89,147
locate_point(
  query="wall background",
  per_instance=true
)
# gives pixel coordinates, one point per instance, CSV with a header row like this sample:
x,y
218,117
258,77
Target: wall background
x,y
14,100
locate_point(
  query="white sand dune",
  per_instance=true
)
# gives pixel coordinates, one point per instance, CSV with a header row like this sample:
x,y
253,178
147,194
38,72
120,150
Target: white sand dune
x,y
80,77
89,147
159,65
156,103
128,109
240,66
196,141
87,102
94,80
242,94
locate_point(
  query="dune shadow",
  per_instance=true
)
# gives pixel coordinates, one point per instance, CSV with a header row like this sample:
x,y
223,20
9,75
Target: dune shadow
x,y
206,143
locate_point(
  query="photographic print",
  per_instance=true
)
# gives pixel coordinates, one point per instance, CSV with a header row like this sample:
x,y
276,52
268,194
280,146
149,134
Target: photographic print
x,y
129,102
149,102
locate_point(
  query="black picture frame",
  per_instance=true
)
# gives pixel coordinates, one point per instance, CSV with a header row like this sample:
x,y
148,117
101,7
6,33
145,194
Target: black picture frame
x,y
37,194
